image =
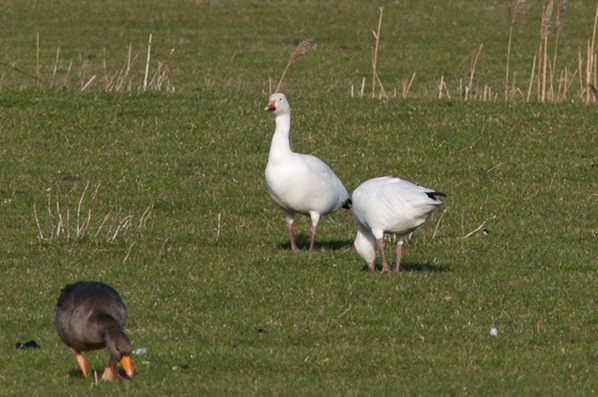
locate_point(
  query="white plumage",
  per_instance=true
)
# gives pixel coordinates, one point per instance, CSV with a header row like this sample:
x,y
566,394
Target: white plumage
x,y
391,205
299,183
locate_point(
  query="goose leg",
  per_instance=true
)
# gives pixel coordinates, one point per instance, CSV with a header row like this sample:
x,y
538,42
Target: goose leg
x,y
315,218
312,242
399,250
292,237
290,219
81,363
385,267
110,372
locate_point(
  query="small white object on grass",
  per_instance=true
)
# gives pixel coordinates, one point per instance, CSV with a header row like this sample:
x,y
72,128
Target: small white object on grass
x,y
140,351
493,331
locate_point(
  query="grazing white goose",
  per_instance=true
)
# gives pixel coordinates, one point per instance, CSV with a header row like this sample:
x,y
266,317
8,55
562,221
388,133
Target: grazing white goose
x,y
299,183
391,205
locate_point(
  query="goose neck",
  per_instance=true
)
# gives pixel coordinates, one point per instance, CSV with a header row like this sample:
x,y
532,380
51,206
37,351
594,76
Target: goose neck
x,y
283,124
280,140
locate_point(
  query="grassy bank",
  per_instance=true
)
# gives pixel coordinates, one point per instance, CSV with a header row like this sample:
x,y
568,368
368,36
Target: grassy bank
x,y
199,252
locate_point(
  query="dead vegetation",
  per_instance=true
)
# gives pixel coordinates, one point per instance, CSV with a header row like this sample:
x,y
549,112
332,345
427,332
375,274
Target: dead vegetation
x,y
72,217
139,72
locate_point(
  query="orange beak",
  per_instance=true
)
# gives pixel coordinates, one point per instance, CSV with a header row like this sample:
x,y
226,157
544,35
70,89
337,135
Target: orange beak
x,y
127,365
270,107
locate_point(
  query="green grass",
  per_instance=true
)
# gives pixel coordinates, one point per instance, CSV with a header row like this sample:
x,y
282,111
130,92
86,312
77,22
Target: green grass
x,y
213,293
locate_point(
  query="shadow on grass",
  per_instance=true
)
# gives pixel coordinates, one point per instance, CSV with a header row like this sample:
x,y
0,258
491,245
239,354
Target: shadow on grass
x,y
96,374
412,267
302,242
76,373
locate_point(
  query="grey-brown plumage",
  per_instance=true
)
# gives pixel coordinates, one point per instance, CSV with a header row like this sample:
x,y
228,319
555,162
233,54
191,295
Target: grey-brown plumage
x,y
89,316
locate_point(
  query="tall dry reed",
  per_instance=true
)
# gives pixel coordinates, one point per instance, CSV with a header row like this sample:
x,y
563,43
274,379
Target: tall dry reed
x,y
302,49
591,64
472,69
375,56
560,24
518,10
545,28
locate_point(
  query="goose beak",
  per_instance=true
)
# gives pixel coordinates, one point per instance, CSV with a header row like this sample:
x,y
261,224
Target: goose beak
x,y
127,365
270,107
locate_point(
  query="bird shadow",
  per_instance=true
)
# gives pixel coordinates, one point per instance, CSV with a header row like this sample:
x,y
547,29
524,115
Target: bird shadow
x,y
413,267
303,241
76,373
95,373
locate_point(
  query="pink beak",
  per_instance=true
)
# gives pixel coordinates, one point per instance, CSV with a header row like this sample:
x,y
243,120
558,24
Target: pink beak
x,y
270,107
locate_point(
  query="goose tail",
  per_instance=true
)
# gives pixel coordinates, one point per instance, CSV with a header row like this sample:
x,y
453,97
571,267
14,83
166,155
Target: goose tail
x,y
435,195
347,203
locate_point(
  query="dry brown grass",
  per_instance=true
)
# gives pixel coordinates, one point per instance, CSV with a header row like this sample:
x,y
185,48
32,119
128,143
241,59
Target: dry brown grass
x,y
70,217
546,83
82,74
553,85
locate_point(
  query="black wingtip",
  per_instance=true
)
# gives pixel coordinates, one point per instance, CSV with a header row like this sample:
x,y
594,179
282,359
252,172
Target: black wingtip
x,y
433,195
347,204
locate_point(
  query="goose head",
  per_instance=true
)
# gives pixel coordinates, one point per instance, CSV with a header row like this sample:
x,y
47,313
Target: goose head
x,y
119,347
278,104
365,244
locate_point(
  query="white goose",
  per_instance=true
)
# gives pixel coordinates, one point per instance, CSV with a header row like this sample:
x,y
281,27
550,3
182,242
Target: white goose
x,y
391,205
299,183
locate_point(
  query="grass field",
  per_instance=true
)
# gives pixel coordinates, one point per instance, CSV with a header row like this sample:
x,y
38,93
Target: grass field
x,y
201,257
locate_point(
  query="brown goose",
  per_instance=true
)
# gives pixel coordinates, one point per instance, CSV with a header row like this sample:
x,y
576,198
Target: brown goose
x,y
89,316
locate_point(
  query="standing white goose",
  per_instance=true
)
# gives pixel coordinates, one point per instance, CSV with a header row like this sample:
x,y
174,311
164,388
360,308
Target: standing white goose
x,y
391,205
299,183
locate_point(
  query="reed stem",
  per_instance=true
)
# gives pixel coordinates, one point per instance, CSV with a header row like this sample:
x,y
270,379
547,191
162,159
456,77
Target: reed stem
x,y
377,36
